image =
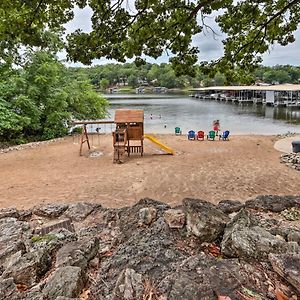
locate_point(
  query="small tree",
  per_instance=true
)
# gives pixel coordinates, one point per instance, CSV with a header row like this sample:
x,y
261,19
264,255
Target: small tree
x,y
104,83
39,100
132,80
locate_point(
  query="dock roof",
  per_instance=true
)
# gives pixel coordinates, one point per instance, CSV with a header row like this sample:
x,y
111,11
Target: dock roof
x,y
277,88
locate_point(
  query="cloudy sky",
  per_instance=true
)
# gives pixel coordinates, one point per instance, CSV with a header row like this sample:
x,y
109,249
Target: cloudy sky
x,y
210,46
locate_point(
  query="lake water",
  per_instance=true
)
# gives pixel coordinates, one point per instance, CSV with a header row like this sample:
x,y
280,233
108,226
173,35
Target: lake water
x,y
190,113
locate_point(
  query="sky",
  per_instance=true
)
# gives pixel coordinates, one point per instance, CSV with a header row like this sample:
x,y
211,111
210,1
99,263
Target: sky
x,y
210,46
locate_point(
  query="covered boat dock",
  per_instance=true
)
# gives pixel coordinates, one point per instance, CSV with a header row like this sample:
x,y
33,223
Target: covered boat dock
x,y
274,95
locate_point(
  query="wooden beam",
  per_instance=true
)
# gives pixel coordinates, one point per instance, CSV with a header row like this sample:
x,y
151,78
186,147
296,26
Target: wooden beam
x,y
92,122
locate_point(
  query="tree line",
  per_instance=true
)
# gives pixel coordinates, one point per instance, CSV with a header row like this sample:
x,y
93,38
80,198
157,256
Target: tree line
x,y
107,76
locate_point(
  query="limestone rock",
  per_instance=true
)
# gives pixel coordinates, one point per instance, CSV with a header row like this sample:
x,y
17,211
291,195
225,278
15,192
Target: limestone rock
x,y
79,211
243,238
29,268
147,215
128,218
288,267
66,281
230,206
8,289
149,251
129,286
33,294
185,287
12,259
124,260
63,234
202,277
9,213
204,220
11,237
273,203
25,214
294,236
175,218
147,202
50,210
290,234
77,253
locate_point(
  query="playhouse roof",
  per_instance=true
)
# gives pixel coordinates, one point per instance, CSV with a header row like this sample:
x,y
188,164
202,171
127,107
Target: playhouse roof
x,y
129,116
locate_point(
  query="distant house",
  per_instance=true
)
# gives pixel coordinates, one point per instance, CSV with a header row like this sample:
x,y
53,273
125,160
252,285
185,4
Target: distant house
x,y
142,82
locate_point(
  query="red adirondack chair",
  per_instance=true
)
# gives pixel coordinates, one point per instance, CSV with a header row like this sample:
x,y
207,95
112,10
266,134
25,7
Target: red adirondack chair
x,y
200,135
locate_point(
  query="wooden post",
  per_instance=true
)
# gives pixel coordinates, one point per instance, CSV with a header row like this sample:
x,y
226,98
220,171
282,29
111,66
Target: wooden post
x,y
84,138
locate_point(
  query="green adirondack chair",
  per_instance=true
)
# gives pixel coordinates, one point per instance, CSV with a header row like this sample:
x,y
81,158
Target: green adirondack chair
x,y
211,135
178,131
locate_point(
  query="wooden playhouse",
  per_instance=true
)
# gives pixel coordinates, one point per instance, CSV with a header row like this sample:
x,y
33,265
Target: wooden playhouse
x,y
129,134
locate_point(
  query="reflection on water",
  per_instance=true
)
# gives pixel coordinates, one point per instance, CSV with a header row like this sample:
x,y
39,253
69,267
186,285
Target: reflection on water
x,y
189,113
289,115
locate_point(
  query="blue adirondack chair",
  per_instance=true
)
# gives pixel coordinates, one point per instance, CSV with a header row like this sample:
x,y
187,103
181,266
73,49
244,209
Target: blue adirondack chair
x,y
191,135
225,135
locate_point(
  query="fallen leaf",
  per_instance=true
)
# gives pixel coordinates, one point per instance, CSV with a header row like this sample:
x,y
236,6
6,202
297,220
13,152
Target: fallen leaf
x,y
108,253
22,287
85,294
280,295
212,249
223,297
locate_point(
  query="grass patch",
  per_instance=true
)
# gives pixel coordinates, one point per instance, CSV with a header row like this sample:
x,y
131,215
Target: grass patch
x,y
43,238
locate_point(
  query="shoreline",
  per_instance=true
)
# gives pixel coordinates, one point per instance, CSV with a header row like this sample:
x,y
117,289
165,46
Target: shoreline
x,y
46,142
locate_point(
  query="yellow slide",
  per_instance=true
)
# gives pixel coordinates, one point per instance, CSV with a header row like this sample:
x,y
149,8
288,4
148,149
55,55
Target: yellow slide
x,y
157,142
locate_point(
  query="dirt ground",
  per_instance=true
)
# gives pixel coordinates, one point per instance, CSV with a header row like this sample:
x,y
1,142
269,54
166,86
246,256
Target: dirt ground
x,y
239,169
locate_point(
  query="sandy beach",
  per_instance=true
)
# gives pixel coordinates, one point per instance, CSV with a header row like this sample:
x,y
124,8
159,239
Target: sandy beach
x,y
239,169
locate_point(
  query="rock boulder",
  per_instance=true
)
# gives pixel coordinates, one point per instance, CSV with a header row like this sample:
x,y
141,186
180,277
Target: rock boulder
x,y
29,268
273,203
66,281
244,238
288,267
175,218
204,220
79,211
50,210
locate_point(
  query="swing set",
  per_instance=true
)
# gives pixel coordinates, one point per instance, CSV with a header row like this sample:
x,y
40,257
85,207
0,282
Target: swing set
x,y
84,137
128,137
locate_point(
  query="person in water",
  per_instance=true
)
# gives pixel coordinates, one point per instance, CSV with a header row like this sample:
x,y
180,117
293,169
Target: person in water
x,y
216,126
